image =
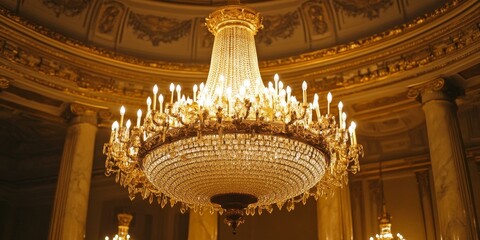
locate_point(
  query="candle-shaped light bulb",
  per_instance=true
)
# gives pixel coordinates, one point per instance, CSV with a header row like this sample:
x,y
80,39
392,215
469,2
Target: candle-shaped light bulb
x,y
329,100
289,92
128,124
282,95
160,100
179,89
122,113
344,120
275,79
270,86
280,86
139,117
304,88
202,85
353,125
340,107
350,130
115,126
172,88
149,103
155,91
114,131
195,89
316,105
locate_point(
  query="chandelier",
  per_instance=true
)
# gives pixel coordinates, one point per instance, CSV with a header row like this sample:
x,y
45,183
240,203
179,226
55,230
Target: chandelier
x,y
385,225
234,146
124,220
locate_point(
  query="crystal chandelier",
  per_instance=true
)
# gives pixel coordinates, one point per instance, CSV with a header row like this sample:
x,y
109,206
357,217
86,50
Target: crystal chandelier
x,y
235,146
124,220
385,225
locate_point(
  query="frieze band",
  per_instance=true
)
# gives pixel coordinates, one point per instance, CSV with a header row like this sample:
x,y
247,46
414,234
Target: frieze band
x,y
159,29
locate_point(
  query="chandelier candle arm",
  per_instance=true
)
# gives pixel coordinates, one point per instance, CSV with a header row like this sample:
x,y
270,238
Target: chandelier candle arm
x,y
255,146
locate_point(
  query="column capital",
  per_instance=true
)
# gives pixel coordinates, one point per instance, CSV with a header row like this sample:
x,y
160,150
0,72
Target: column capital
x,y
83,113
438,89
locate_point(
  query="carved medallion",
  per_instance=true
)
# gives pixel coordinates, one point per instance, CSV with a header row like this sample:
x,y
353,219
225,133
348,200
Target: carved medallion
x,y
276,27
159,29
365,8
110,18
316,15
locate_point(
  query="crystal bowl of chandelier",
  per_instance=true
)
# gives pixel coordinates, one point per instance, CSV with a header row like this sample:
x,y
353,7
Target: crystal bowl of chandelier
x,y
268,145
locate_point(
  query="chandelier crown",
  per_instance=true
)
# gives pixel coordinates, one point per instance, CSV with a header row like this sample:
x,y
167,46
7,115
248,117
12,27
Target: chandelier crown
x,y
234,16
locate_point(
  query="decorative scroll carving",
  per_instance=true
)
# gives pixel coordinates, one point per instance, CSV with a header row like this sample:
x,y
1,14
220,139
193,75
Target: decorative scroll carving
x,y
69,8
365,8
158,29
316,15
110,17
79,110
278,27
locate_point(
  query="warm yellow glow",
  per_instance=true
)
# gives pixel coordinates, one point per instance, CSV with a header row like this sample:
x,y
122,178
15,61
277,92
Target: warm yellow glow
x,y
235,136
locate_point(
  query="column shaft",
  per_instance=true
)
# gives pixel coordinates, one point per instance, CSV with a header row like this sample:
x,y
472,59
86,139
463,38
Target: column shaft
x,y
334,216
449,169
426,203
203,227
73,186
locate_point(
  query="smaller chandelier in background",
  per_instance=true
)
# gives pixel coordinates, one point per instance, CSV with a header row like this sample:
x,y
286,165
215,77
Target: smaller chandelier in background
x,y
385,227
384,221
124,220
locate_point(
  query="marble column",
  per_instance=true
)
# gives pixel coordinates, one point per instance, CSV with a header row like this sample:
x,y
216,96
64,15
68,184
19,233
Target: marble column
x,y
203,227
334,216
450,174
423,181
73,185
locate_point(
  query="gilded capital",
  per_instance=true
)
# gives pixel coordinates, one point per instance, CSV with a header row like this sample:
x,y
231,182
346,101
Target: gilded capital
x,y
78,113
438,89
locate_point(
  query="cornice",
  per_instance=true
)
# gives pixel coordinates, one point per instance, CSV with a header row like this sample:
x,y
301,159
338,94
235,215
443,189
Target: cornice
x,y
299,61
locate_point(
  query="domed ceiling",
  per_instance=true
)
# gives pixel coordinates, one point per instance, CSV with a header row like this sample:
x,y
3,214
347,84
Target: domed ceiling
x,y
174,31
